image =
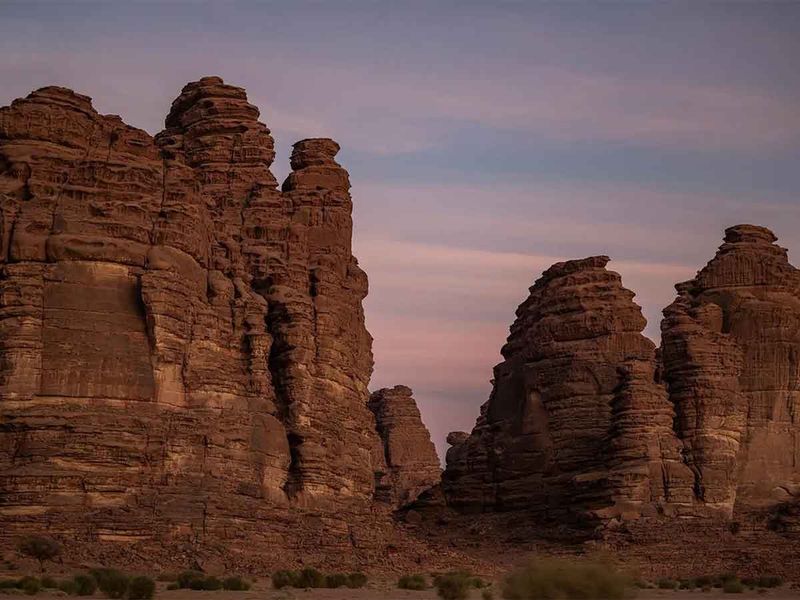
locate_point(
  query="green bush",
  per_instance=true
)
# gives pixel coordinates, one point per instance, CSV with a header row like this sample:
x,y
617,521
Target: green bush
x,y
30,585
111,582
720,580
84,585
665,583
8,584
186,578
703,581
769,581
141,588
310,578
283,579
69,587
412,582
235,584
732,586
335,580
49,583
558,578
454,585
356,580
211,584
39,547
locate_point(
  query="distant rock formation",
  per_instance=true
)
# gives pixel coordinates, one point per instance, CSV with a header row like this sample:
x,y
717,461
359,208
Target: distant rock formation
x,y
587,422
182,345
731,352
562,432
412,465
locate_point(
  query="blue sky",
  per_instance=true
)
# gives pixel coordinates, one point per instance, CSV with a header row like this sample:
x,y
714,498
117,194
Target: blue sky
x,y
484,140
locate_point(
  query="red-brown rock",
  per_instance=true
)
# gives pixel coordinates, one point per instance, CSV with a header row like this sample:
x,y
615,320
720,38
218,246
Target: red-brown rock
x,y
183,353
412,465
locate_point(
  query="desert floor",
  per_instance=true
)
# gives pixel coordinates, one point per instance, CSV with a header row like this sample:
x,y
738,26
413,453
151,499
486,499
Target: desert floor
x,y
387,592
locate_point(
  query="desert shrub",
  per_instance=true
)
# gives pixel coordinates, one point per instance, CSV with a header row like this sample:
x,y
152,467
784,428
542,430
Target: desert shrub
x,y
335,580
112,583
732,586
665,583
39,547
174,586
49,582
29,585
703,581
454,585
487,595
8,584
356,580
211,584
769,581
720,580
69,587
185,579
412,582
554,578
687,584
235,584
310,578
84,585
283,579
141,588
167,576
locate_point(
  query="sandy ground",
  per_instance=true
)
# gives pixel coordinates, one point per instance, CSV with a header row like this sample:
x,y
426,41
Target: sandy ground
x,y
386,591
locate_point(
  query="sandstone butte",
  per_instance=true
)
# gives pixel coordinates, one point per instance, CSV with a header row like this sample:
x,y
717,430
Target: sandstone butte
x,y
589,424
184,372
183,356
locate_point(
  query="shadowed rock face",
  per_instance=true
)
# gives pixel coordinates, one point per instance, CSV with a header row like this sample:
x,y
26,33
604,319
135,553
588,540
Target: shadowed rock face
x,y
182,345
562,432
412,465
586,419
731,352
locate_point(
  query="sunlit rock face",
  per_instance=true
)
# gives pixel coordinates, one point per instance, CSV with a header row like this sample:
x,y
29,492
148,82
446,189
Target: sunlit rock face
x,y
182,344
587,422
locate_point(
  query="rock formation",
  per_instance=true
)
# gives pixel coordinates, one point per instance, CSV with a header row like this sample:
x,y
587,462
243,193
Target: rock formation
x,y
731,352
575,422
412,465
587,420
182,345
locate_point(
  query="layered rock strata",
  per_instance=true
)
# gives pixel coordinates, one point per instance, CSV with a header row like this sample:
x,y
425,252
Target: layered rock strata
x,y
731,353
182,344
412,465
587,419
576,425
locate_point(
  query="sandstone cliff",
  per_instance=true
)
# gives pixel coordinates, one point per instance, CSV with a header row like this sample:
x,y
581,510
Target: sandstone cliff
x,y
182,345
412,465
587,422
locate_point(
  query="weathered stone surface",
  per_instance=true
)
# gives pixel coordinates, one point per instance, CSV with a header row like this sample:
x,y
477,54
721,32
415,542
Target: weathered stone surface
x,y
576,425
182,345
587,418
731,352
412,465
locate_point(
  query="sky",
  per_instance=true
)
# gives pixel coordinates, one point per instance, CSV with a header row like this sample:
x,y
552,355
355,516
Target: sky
x,y
485,141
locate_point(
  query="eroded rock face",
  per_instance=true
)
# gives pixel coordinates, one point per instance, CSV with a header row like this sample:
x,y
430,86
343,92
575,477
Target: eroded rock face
x,y
587,419
731,352
575,424
182,344
412,465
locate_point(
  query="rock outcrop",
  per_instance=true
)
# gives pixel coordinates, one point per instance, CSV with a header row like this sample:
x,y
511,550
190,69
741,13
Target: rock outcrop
x,y
412,465
587,420
182,345
731,352
576,424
